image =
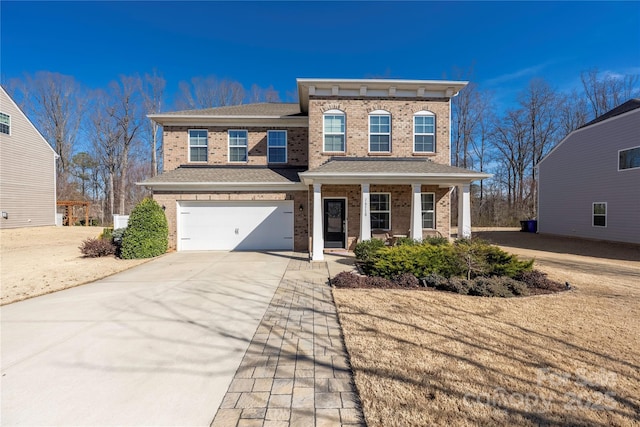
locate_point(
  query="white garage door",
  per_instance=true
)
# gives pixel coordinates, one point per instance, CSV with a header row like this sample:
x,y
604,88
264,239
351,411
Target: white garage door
x,y
235,225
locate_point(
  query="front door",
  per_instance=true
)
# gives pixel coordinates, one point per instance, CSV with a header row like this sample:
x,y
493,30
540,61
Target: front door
x,y
335,233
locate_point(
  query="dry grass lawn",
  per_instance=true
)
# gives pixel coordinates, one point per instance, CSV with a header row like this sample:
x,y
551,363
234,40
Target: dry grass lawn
x,y
433,358
39,260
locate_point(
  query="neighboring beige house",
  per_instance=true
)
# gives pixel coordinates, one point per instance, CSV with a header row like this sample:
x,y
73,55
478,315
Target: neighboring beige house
x,y
27,170
353,159
589,184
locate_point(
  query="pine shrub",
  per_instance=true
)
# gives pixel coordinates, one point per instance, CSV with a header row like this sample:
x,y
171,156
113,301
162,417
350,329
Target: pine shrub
x,y
147,233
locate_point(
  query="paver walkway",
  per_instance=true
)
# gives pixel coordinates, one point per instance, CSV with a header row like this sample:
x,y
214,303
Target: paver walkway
x,y
295,371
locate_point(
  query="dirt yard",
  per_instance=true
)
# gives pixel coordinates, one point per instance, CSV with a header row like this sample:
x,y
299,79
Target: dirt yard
x,y
573,358
39,260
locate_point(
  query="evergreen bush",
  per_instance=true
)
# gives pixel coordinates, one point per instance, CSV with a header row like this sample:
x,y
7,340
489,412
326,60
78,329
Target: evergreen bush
x,y
147,234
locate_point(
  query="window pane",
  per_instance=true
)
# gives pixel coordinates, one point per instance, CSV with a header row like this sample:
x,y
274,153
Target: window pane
x,y
334,124
277,155
198,154
379,143
380,220
424,143
427,202
599,208
630,158
238,138
334,142
600,220
427,220
237,154
277,138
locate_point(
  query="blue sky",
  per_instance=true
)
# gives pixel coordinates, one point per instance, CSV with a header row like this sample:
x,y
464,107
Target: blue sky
x,y
273,43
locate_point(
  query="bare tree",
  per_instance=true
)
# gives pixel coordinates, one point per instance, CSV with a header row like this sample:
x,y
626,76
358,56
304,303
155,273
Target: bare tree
x,y
572,112
56,103
467,107
208,92
258,94
126,111
153,95
605,92
105,136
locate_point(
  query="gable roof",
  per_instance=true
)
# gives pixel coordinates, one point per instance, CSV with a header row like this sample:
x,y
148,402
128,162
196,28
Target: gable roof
x,y
35,129
625,108
630,105
258,114
211,177
260,109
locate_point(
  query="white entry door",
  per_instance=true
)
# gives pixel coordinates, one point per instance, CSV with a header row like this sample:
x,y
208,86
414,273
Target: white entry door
x,y
235,225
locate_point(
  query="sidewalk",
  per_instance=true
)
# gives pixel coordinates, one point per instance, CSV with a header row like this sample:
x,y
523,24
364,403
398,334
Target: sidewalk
x,y
295,371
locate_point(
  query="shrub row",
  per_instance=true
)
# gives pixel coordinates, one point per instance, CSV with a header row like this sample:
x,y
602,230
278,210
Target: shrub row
x,y
468,258
530,283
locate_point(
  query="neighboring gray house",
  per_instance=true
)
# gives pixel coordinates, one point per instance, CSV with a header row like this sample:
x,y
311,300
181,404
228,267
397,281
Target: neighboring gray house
x,y
27,170
589,185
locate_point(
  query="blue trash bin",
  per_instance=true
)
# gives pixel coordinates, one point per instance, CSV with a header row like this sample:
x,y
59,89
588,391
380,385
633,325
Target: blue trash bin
x,y
532,226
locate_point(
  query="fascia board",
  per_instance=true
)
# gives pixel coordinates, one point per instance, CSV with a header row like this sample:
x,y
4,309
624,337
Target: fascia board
x,y
392,178
223,186
190,120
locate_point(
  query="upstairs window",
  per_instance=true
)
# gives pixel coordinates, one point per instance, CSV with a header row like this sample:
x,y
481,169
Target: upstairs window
x,y
424,132
428,210
198,145
380,132
277,146
238,146
333,124
629,158
5,124
600,214
380,211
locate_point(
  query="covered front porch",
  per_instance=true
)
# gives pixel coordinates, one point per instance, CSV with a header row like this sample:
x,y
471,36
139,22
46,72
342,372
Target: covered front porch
x,y
354,200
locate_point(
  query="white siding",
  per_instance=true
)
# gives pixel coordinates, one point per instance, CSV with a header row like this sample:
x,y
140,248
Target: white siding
x,y
27,172
583,170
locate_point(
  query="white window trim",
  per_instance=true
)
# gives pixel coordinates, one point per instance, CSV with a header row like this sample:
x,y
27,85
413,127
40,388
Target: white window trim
x,y
423,211
379,113
424,113
618,159
334,112
9,124
371,211
606,213
229,146
286,146
206,146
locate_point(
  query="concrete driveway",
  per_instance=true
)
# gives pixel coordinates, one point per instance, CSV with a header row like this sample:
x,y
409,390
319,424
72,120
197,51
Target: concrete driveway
x,y
155,345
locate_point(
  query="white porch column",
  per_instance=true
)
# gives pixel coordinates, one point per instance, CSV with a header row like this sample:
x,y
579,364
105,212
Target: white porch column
x,y
416,212
464,211
365,218
317,253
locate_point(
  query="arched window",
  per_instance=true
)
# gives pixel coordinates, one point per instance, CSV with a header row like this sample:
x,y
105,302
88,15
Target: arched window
x,y
424,132
379,131
334,131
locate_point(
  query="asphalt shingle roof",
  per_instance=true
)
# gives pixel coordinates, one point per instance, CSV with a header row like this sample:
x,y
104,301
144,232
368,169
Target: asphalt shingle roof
x,y
227,174
258,109
631,104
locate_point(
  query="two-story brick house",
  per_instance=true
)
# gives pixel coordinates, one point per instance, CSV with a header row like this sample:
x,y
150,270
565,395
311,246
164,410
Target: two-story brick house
x,y
351,159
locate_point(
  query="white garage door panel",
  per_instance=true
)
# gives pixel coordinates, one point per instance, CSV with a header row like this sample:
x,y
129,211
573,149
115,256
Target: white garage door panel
x,y
250,225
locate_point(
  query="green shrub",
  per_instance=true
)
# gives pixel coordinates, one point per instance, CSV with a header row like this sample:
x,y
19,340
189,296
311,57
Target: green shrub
x,y
93,248
435,241
107,234
479,258
365,249
147,232
418,260
407,241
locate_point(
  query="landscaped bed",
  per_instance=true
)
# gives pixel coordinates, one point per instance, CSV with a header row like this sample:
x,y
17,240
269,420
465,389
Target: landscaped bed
x,y
436,358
